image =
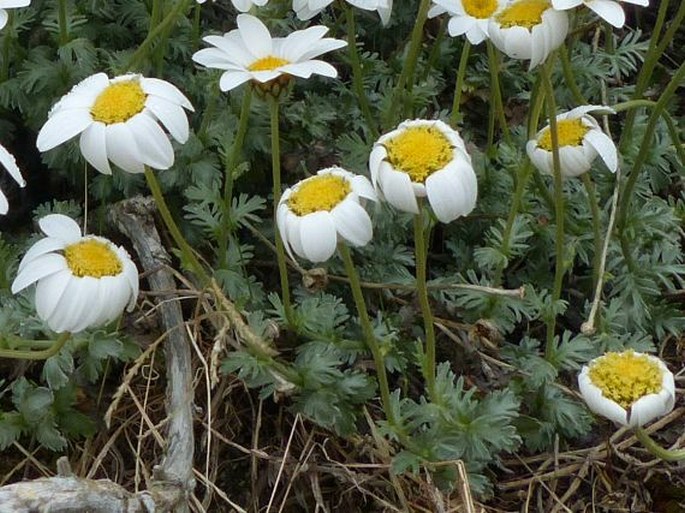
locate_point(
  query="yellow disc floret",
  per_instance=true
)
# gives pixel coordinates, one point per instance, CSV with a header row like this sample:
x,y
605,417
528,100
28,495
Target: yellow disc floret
x,y
419,151
93,258
267,63
319,193
570,132
626,377
119,102
524,13
480,8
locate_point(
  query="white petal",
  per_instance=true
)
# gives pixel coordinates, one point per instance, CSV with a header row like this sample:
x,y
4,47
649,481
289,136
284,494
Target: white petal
x,y
299,42
608,11
292,224
3,18
61,127
362,186
171,116
41,247
397,189
4,206
232,79
60,227
573,160
324,46
153,144
307,69
606,148
318,236
76,300
41,267
562,5
162,88
517,43
378,153
460,25
352,222
579,112
650,407
122,148
448,194
49,292
597,402
10,164
255,35
93,144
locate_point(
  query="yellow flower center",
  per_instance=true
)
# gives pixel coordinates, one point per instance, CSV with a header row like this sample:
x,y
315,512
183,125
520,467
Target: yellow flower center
x,y
267,63
524,13
419,151
480,8
570,132
119,102
319,193
92,258
626,377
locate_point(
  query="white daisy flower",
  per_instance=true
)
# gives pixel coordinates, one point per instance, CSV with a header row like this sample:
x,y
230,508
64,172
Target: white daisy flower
x,y
318,212
629,388
608,10
424,158
580,141
243,5
307,9
528,29
470,17
250,53
10,4
119,120
81,281
10,164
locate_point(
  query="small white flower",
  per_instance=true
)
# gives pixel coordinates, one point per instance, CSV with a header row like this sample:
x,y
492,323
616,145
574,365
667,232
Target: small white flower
x,y
10,4
424,158
528,29
580,141
119,120
10,164
629,388
307,9
608,10
243,5
470,17
82,281
250,53
318,212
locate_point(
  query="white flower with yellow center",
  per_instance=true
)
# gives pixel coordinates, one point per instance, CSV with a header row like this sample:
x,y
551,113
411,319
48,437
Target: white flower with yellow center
x,y
10,164
10,4
82,281
243,5
307,9
424,158
119,120
608,10
528,29
250,53
318,212
580,141
629,388
470,17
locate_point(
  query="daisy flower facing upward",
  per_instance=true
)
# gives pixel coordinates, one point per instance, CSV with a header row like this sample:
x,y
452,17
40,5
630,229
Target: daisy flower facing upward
x,y
82,281
119,120
580,141
249,53
307,9
470,17
424,158
608,10
629,388
8,162
318,212
10,4
528,30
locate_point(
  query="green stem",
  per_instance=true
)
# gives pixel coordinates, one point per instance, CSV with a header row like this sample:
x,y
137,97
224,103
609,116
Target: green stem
x,y
7,46
186,250
593,202
196,27
367,329
357,73
656,449
558,200
229,170
435,51
161,27
276,172
38,355
569,77
496,107
459,85
63,22
421,256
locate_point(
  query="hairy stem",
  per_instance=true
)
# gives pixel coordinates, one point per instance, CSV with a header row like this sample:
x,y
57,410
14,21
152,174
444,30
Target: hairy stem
x,y
459,85
656,449
496,106
44,354
63,22
593,202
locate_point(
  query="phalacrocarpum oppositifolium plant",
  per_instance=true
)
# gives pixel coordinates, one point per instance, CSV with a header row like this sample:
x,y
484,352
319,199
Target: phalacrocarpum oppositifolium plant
x,y
423,217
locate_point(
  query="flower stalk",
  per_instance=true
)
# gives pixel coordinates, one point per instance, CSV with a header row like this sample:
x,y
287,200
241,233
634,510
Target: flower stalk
x,y
43,354
496,107
653,447
459,85
63,22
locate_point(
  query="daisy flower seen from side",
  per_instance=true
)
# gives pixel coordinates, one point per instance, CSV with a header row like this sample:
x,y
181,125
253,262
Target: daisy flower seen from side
x,y
528,30
318,212
467,17
249,53
307,9
424,158
122,120
81,281
628,388
10,4
243,5
10,164
580,141
609,10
